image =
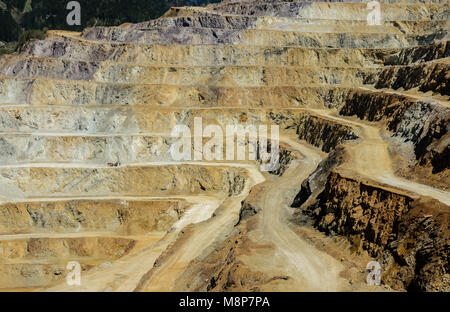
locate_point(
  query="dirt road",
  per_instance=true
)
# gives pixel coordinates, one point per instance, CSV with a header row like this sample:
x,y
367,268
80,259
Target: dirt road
x,y
125,273
371,158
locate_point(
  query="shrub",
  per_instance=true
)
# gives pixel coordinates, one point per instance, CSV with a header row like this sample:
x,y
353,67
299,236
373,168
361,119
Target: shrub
x,y
28,35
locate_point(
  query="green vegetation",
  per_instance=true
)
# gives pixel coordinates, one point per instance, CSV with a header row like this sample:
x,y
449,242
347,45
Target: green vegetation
x,y
21,20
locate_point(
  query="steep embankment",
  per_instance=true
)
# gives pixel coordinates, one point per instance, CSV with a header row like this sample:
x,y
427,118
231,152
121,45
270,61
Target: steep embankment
x,y
363,116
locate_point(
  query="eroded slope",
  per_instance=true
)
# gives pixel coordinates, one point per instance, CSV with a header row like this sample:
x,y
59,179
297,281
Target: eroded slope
x,y
363,114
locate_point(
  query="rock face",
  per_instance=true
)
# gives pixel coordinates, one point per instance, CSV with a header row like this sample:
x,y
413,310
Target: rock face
x,y
87,171
409,236
123,217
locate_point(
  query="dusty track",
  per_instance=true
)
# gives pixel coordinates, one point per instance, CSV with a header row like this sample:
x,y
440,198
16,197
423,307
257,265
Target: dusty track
x,y
311,269
229,60
370,158
308,268
124,274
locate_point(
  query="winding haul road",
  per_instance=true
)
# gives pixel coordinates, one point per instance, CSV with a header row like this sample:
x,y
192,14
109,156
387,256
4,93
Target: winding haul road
x,y
309,268
126,273
371,158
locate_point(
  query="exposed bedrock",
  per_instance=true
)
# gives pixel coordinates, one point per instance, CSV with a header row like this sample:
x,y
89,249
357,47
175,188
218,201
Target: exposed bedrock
x,y
329,10
86,172
323,134
306,124
65,69
71,48
426,125
430,76
64,248
221,76
207,36
22,276
101,150
346,1
43,92
316,181
408,235
348,206
29,262
433,51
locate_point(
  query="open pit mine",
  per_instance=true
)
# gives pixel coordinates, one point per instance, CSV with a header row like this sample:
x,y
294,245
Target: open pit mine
x,y
88,181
